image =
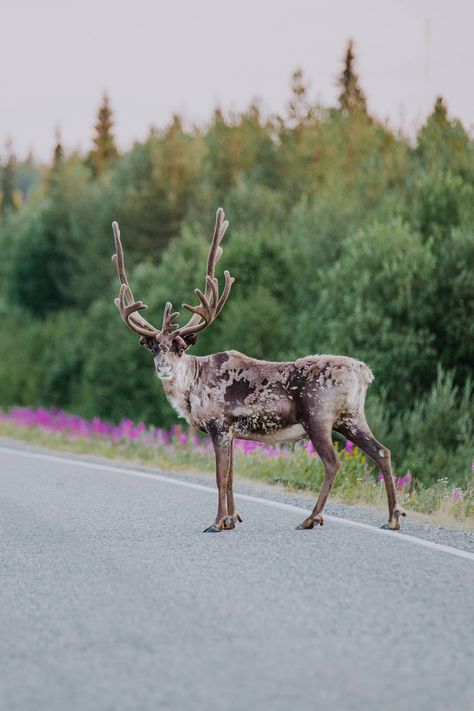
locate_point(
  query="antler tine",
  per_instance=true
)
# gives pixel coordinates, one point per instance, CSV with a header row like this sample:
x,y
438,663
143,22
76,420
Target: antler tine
x,y
126,303
168,326
206,308
215,252
229,280
119,259
128,311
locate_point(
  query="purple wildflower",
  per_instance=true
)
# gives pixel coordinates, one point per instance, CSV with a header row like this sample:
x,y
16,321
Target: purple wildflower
x,y
456,494
404,481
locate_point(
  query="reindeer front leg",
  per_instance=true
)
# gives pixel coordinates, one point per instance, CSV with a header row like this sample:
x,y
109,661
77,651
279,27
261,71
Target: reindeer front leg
x,y
222,442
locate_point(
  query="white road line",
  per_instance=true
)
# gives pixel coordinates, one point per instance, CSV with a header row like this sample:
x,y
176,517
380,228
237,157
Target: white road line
x,y
245,497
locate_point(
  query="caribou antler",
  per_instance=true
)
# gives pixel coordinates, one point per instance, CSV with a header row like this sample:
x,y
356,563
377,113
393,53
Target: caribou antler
x,y
211,304
203,314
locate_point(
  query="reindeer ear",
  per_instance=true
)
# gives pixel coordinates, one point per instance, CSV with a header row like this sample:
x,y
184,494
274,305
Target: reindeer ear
x,y
190,339
179,345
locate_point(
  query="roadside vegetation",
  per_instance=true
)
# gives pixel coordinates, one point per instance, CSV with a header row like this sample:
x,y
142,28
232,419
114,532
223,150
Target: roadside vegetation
x,y
296,467
346,237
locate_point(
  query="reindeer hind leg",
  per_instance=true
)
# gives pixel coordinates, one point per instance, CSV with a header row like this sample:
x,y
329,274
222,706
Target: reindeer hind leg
x,y
232,515
360,434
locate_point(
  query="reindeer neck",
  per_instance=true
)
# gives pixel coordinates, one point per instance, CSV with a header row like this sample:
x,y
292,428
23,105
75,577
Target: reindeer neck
x,y
178,387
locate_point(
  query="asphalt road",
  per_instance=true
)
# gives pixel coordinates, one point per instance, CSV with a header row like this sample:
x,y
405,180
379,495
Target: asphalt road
x,y
112,598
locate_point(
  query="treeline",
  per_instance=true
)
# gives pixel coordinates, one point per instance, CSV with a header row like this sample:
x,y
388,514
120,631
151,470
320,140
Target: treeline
x,y
345,237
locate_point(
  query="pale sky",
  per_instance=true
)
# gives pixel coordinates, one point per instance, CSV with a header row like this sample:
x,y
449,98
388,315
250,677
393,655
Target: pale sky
x,y
155,58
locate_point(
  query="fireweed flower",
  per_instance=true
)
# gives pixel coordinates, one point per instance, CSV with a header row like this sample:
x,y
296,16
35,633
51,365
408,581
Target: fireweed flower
x,y
404,481
456,494
349,446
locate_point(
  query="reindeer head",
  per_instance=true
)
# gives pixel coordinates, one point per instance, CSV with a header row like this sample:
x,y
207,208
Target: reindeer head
x,y
170,342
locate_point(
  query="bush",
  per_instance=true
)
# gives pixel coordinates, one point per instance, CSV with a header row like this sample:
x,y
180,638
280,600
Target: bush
x,y
441,201
439,433
375,303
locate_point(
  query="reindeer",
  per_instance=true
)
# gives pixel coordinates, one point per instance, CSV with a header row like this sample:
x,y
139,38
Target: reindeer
x,y
229,394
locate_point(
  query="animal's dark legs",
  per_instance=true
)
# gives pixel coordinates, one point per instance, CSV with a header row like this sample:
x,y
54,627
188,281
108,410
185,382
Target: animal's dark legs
x,y
232,514
222,442
359,433
320,435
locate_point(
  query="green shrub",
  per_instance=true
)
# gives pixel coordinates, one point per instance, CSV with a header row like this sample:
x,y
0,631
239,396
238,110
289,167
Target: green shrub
x,y
439,433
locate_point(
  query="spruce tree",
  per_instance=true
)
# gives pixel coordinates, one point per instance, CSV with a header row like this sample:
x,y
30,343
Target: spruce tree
x,y
352,98
104,149
58,155
57,162
444,142
440,113
299,109
8,180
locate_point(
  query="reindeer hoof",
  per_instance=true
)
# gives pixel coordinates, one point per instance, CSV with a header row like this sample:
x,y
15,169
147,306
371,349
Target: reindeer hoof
x,y
391,526
311,522
307,523
225,524
215,528
394,523
230,521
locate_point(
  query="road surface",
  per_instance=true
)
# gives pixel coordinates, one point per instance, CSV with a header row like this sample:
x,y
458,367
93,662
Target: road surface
x,y
112,598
